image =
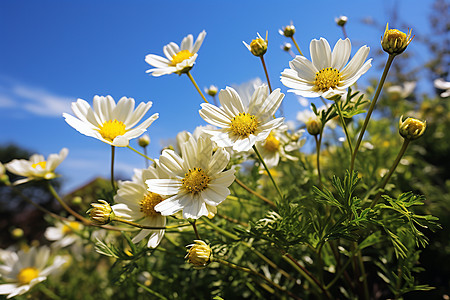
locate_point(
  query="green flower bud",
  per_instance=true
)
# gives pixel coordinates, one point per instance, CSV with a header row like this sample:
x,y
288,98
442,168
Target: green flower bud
x,y
411,128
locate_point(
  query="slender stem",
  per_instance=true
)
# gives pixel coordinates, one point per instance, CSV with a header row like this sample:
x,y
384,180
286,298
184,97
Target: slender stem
x,y
245,187
253,272
232,220
146,160
265,71
113,152
371,108
391,171
147,227
344,32
364,275
340,271
49,293
310,277
296,46
215,100
150,291
195,229
318,142
268,172
65,206
196,86
141,154
344,126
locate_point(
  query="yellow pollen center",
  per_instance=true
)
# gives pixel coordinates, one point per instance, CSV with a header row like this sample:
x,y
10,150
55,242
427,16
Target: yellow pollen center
x,y
148,204
415,125
195,180
327,78
41,164
244,124
180,56
69,228
272,144
27,274
396,35
111,129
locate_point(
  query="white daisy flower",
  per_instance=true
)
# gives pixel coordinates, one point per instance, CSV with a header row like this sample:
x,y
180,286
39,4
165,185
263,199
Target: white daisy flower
x,y
64,233
197,181
108,122
137,204
327,75
22,270
240,125
179,59
401,91
36,167
274,146
443,85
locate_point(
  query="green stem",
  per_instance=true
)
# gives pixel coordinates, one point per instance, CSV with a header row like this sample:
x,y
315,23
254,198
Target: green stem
x,y
253,272
150,291
318,143
371,108
391,171
113,152
245,187
296,46
364,275
344,126
268,172
146,160
196,86
195,229
143,155
147,227
265,71
344,32
49,293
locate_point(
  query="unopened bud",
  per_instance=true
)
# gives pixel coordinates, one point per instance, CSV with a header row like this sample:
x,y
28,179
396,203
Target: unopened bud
x,y
341,21
411,128
286,47
212,90
287,31
17,233
314,126
144,141
199,254
258,46
394,41
101,213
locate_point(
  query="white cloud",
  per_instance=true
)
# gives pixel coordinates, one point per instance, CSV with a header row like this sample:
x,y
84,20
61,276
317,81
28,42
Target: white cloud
x,y
34,100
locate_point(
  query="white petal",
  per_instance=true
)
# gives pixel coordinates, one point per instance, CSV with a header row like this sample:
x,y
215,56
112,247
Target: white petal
x,y
164,186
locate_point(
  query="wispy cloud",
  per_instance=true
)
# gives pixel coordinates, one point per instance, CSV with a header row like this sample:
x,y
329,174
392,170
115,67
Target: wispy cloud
x,y
35,100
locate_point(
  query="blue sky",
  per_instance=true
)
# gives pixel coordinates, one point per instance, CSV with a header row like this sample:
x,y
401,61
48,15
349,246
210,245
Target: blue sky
x,y
54,52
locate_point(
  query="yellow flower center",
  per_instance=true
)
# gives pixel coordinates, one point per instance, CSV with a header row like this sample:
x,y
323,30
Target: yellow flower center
x,y
244,124
111,129
195,180
69,228
272,144
327,78
148,204
27,274
396,36
180,56
41,164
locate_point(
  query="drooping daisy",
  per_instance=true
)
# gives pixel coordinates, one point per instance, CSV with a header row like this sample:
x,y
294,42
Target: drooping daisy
x,y
197,181
22,270
277,144
327,75
36,167
137,204
179,59
240,125
108,122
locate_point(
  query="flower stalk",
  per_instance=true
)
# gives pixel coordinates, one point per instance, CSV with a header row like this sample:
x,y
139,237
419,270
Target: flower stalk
x,y
196,86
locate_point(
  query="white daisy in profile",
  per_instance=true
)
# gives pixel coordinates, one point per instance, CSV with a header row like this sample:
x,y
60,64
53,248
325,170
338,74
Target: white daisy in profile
x,y
197,182
277,145
442,85
64,233
397,92
179,59
327,74
36,168
240,125
135,203
108,122
22,270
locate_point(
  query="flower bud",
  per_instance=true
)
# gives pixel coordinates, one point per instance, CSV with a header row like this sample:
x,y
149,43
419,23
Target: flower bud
x,y
394,41
199,254
411,128
287,31
17,233
314,126
101,213
258,46
212,90
286,47
144,141
341,21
